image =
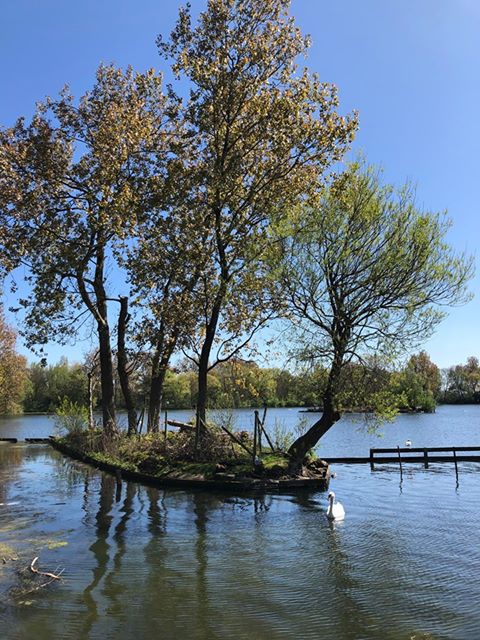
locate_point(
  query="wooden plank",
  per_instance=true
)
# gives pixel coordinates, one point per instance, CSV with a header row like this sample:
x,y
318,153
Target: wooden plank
x,y
8,440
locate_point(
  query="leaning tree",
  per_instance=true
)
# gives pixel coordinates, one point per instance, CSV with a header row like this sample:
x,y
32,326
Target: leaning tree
x,y
365,272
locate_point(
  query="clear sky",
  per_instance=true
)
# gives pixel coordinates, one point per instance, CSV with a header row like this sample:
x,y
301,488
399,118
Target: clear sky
x,y
410,67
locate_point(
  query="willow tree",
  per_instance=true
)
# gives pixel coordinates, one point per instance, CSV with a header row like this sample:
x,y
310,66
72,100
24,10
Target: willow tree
x,y
73,184
366,272
263,133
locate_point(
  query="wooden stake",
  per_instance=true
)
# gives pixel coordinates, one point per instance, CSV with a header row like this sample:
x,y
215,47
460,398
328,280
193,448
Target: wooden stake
x,y
235,439
400,460
197,431
262,427
455,461
425,458
259,432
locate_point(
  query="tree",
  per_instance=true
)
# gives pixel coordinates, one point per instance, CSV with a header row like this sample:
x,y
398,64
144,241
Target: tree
x,y
365,273
73,183
13,371
48,386
463,382
419,383
262,136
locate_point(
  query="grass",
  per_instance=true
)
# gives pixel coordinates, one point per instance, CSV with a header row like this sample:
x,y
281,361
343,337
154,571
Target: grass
x,y
155,456
175,456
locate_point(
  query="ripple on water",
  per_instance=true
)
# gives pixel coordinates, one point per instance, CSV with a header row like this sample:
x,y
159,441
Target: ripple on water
x,y
162,564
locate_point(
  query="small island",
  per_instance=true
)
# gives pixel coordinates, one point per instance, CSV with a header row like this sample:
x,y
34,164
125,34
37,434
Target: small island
x,y
170,461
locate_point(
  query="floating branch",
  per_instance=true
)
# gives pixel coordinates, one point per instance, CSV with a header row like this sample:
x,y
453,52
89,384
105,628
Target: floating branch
x,y
53,576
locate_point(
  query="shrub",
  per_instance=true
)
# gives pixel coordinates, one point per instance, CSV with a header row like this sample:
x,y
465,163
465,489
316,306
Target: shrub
x,y
71,418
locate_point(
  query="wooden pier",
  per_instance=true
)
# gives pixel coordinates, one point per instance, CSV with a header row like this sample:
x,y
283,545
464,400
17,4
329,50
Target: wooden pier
x,y
424,455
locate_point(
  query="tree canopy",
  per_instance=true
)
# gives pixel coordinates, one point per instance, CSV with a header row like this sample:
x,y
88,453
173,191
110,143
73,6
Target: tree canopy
x,y
184,218
365,272
73,183
262,135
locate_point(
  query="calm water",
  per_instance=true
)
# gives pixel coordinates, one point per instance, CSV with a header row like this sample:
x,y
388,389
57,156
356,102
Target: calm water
x,y
155,564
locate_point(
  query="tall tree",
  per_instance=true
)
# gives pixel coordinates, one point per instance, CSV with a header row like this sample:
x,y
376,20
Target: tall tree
x,y
366,273
263,134
73,183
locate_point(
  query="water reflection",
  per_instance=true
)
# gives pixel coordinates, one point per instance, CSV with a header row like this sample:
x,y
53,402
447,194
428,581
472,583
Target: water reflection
x,y
100,550
161,564
200,510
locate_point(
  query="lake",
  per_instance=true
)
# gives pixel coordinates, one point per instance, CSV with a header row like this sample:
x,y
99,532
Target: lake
x,y
163,564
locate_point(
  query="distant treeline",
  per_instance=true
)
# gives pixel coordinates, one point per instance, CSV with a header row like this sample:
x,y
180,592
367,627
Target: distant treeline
x,y
419,385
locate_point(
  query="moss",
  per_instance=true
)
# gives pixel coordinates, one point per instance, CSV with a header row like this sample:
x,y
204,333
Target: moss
x,y
56,544
114,461
275,460
6,551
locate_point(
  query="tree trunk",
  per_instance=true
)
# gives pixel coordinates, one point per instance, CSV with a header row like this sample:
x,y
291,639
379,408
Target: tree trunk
x,y
156,395
106,381
100,312
203,370
308,440
160,361
91,421
122,367
202,393
299,449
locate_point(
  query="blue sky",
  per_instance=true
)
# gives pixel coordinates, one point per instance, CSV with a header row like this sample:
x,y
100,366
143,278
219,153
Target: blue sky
x,y
409,67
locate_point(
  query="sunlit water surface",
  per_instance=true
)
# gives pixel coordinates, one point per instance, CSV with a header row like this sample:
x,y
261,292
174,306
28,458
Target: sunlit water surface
x,y
148,563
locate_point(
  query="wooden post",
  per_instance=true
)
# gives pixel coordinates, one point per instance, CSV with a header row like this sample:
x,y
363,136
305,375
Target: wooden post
x,y
197,432
425,458
372,466
264,414
255,429
262,427
400,460
166,426
455,461
259,432
235,439
91,420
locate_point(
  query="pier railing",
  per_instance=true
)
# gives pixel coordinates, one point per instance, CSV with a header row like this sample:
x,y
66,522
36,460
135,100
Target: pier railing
x,y
424,455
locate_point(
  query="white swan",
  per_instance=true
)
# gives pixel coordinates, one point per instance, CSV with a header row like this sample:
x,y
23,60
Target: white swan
x,y
335,510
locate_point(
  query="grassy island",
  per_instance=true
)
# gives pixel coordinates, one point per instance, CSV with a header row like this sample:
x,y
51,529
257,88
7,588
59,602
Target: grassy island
x,y
224,461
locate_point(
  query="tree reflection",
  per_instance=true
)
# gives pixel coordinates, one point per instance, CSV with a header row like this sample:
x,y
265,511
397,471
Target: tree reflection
x,y
100,548
115,584
200,509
